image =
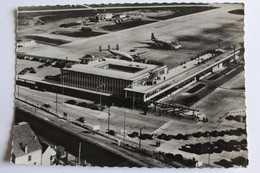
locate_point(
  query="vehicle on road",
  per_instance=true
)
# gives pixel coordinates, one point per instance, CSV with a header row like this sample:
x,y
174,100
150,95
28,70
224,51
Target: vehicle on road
x,y
112,132
72,102
46,105
39,88
81,119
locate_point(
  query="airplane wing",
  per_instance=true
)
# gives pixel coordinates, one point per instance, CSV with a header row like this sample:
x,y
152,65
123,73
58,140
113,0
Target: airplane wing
x,y
140,53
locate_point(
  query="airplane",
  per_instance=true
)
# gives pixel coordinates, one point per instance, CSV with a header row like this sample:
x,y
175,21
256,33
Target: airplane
x,y
119,54
165,44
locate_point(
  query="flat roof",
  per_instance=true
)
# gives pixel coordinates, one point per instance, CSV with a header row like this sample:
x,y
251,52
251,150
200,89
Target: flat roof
x,y
99,68
180,74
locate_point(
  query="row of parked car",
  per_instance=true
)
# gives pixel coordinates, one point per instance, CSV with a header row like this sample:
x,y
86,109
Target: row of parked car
x,y
48,62
85,105
39,88
26,70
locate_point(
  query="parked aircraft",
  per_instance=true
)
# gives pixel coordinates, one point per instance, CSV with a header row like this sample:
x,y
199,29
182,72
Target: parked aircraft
x,y
119,54
165,44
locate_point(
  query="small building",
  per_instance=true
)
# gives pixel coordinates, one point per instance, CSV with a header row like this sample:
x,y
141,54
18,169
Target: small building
x,y
30,43
48,154
88,59
26,148
105,16
119,16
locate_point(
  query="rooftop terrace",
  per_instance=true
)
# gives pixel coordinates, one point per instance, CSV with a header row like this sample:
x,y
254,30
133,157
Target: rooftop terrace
x,y
115,68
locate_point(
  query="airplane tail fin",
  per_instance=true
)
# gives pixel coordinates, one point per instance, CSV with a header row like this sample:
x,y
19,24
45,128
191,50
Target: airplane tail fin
x,y
108,47
100,48
117,47
152,36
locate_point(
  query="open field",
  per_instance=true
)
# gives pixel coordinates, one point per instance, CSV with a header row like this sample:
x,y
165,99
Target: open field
x,y
198,32
32,22
143,4
47,7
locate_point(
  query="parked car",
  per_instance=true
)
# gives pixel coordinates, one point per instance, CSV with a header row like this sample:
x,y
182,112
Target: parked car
x,y
81,119
82,104
39,88
32,70
112,132
46,105
72,102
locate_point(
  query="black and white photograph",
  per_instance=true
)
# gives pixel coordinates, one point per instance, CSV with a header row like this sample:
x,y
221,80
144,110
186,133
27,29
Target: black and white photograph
x,y
154,85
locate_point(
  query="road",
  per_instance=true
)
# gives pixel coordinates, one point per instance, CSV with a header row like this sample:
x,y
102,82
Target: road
x,y
100,145
135,120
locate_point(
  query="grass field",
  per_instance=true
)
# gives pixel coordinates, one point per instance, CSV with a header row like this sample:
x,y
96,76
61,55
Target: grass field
x,y
238,11
48,7
46,40
126,25
78,33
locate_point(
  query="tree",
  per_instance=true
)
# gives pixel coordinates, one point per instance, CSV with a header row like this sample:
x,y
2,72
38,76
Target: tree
x,y
60,153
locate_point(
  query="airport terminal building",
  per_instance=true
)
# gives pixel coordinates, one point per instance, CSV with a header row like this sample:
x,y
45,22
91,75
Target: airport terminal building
x,y
113,76
138,81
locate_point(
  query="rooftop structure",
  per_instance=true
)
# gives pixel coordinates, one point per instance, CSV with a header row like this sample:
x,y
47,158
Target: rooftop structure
x,y
114,68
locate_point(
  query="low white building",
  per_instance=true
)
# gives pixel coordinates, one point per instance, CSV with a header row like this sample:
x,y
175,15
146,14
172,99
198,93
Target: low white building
x,y
30,43
48,154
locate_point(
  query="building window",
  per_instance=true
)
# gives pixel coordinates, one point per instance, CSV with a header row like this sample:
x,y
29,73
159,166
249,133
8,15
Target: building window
x,y
29,158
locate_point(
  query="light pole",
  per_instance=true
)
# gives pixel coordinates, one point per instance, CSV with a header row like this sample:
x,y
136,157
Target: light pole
x,y
209,152
219,42
140,137
234,47
79,153
133,100
35,109
124,126
63,84
17,85
108,120
100,96
56,102
100,101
